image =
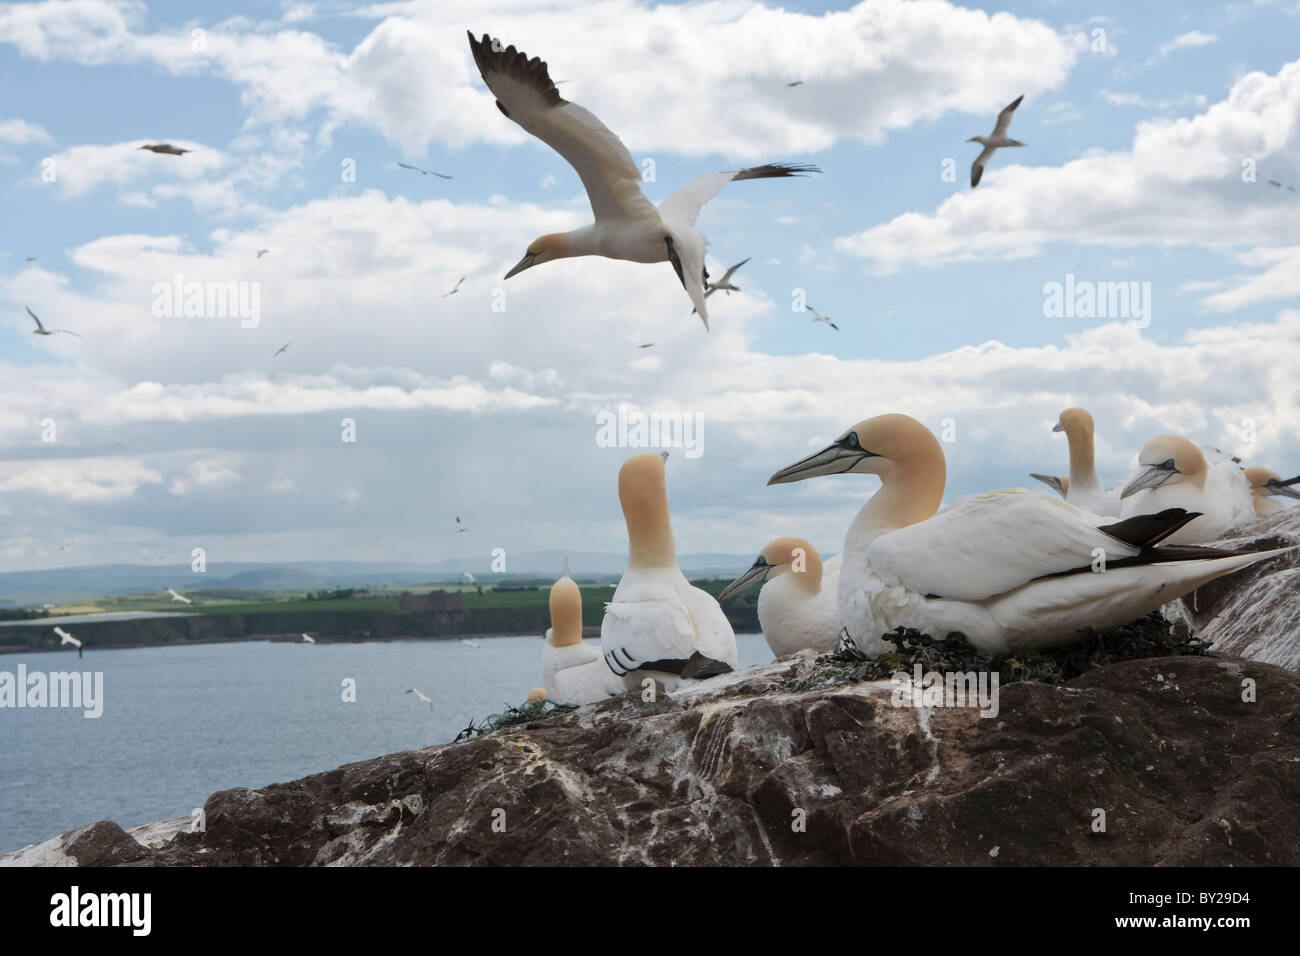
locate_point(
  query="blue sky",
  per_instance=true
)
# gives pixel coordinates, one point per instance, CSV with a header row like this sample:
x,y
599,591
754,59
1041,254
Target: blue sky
x,y
176,430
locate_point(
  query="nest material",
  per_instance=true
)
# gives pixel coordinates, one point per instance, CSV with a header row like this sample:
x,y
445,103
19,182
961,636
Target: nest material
x,y
514,715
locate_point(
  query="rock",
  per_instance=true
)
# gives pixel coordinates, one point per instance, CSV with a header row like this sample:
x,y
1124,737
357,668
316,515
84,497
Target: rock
x,y
1254,613
722,772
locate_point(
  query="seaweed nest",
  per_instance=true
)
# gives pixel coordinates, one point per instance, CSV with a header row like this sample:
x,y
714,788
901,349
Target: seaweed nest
x,y
514,715
1146,637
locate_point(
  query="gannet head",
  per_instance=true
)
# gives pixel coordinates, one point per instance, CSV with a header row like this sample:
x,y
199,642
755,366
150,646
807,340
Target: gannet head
x,y
643,494
782,556
566,613
536,694
875,446
1264,482
978,139
1059,482
1167,460
1076,423
553,245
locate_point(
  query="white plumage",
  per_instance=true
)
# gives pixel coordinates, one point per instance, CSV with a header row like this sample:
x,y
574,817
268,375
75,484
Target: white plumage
x,y
1174,473
797,605
573,672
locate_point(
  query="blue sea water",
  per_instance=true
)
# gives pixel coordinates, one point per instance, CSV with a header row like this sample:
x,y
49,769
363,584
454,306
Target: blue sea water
x,y
179,723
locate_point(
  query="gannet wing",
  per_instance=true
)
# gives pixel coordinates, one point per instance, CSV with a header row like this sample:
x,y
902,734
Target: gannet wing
x,y
685,204
1004,118
977,167
991,543
525,94
714,637
649,622
726,276
588,683
33,315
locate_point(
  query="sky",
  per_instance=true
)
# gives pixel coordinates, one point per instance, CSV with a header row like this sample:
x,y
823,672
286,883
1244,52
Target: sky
x,y
1152,131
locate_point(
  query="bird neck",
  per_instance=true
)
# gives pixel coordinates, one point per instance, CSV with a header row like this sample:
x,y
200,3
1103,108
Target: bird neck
x,y
809,580
1083,468
911,492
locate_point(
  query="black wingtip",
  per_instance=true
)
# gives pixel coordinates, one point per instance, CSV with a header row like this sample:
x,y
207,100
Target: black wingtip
x,y
1146,531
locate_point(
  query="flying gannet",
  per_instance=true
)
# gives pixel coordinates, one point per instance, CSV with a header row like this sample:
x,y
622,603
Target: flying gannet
x,y
282,348
656,623
573,671
1009,569
1174,473
996,140
1058,483
424,698
1083,490
455,288
628,226
179,597
42,330
797,606
423,172
818,317
725,283
166,148
66,638
308,639
1265,486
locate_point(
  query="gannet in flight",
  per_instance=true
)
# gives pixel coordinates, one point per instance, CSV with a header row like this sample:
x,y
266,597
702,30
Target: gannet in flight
x,y
42,330
1274,182
167,148
1265,485
818,317
646,345
308,639
179,597
282,348
424,698
66,638
1058,483
1174,473
797,606
725,282
1083,490
1009,569
460,528
627,225
262,252
423,172
573,671
996,140
656,623
455,289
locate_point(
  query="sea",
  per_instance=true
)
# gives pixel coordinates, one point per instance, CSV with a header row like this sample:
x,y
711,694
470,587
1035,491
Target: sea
x,y
179,723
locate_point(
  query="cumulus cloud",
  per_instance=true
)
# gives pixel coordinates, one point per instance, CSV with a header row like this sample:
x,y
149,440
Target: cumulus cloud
x,y
20,132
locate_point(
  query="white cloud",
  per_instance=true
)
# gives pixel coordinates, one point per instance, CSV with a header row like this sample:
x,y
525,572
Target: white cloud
x,y
20,132
97,479
1184,41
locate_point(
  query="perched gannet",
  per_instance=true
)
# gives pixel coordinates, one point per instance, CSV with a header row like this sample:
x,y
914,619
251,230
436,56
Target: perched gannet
x,y
573,671
656,623
627,225
423,172
1009,569
1174,473
818,317
66,638
796,607
167,148
1058,483
1265,485
1084,491
42,330
996,140
178,597
536,694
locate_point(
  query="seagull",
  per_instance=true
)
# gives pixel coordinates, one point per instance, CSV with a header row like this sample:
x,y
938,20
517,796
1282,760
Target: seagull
x,y
66,638
423,697
1265,485
818,317
262,252
42,330
308,639
179,597
1011,570
657,624
167,148
796,607
997,140
1174,473
460,528
456,289
573,671
1083,489
423,172
282,348
627,226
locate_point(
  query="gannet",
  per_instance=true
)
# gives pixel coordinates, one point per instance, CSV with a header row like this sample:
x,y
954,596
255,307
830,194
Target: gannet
x,y
818,317
423,697
423,172
1174,473
725,283
1009,569
282,348
308,639
536,695
1058,483
1265,485
66,638
167,148
42,330
573,671
455,288
627,225
996,140
179,597
656,623
1084,490
796,607
262,252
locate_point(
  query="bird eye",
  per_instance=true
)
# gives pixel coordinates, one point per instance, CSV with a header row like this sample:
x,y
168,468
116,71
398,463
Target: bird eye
x,y
1168,464
851,439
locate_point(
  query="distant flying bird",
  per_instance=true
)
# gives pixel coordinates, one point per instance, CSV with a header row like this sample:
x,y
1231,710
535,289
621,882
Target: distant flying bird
x,y
179,597
725,282
31,258
468,577
647,345
627,226
42,330
66,638
818,317
1271,182
282,348
460,528
795,83
308,639
167,148
469,643
262,252
423,172
456,289
423,697
66,544
993,142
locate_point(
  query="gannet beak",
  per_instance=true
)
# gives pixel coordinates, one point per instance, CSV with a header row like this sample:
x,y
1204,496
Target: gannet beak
x,y
1283,488
835,459
757,572
1153,476
1048,480
1058,427
524,263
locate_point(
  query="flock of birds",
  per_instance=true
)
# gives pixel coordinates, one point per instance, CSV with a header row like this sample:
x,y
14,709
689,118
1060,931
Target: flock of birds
x,y
1012,570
